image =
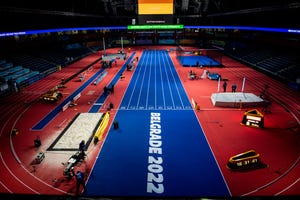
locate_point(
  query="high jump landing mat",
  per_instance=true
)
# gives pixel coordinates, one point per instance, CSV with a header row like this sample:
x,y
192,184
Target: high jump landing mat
x,y
236,99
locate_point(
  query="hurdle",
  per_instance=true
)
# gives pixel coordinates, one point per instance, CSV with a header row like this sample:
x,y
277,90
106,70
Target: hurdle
x,y
122,76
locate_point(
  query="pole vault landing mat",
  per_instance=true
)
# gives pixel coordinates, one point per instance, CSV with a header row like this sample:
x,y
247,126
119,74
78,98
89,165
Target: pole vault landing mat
x,y
236,99
82,127
156,153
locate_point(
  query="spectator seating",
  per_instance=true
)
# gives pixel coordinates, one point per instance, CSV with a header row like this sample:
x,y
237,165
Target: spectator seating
x,y
10,70
25,66
144,41
2,61
14,77
32,62
257,56
166,41
281,63
290,73
5,66
29,76
274,64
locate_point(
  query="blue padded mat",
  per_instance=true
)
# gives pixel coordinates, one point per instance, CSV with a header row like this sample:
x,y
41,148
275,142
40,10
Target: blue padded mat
x,y
187,61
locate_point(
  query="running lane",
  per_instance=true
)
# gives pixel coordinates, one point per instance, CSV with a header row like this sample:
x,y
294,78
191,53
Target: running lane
x,y
155,85
159,148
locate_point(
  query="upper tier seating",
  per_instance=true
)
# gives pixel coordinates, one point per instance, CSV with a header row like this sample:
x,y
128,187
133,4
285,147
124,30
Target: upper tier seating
x,y
281,63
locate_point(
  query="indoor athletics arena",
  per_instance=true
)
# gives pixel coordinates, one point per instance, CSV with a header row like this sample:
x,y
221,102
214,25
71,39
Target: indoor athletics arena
x,y
150,100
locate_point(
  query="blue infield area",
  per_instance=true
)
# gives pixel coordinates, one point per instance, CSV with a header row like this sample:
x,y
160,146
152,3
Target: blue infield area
x,y
188,61
159,149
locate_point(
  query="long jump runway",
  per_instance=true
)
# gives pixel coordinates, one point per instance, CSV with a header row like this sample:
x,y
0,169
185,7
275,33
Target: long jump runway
x,y
159,148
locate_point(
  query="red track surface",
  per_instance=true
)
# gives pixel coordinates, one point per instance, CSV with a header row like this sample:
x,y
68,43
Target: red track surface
x,y
278,143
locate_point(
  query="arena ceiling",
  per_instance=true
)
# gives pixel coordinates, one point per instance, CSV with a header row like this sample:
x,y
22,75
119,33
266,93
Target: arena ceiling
x,y
20,15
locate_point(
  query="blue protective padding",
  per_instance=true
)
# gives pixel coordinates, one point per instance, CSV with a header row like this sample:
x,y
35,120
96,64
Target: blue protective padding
x,y
192,61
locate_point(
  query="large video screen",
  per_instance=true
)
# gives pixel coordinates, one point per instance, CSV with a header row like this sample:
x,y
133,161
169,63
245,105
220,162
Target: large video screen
x,y
155,7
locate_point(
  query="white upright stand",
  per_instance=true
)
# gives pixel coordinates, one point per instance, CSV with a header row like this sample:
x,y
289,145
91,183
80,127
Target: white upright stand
x,y
104,47
244,79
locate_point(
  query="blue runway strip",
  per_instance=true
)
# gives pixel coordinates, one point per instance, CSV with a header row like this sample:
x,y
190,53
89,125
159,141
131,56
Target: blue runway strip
x,y
158,150
99,102
155,85
50,116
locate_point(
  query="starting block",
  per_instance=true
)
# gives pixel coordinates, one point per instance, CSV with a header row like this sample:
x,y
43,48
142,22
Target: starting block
x,y
40,157
122,77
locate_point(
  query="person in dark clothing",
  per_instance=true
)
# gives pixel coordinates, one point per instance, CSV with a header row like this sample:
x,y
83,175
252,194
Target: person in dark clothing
x,y
111,106
233,87
79,181
224,86
112,88
122,76
105,90
82,147
37,141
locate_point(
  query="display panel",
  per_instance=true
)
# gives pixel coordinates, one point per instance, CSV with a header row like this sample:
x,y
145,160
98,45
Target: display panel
x,y
155,26
155,7
242,28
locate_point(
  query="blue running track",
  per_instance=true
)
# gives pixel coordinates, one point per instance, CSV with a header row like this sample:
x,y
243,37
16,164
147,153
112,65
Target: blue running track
x,y
160,149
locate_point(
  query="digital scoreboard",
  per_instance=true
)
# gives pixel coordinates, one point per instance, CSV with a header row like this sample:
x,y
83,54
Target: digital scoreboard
x,y
155,7
253,118
155,11
244,160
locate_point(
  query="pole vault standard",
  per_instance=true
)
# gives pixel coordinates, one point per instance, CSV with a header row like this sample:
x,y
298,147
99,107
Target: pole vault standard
x,y
104,47
122,44
219,80
244,80
243,85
